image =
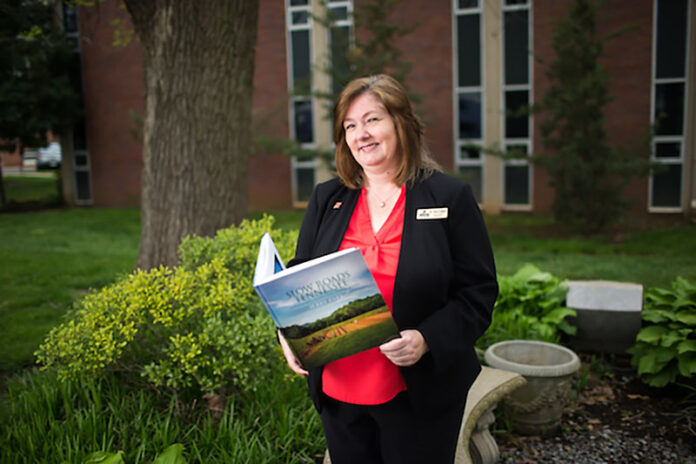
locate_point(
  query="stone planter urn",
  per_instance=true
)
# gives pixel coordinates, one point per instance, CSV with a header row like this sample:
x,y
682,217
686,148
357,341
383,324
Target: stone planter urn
x,y
536,407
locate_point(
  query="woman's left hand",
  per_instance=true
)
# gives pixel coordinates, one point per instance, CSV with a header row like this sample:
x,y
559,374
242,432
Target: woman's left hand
x,y
407,350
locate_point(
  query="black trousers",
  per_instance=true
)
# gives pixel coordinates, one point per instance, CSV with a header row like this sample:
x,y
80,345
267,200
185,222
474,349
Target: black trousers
x,y
390,433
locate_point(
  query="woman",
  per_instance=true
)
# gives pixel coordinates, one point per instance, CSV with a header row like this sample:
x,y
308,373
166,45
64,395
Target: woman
x,y
424,240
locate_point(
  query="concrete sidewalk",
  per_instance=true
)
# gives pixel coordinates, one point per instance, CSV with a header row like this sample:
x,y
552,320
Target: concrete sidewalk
x,y
27,171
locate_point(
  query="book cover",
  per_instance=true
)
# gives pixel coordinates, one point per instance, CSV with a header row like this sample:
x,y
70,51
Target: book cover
x,y
327,308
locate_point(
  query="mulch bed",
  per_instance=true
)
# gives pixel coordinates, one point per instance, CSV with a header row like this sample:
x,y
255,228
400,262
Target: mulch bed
x,y
614,411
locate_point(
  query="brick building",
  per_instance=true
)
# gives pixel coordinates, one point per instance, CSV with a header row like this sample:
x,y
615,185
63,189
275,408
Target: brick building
x,y
473,61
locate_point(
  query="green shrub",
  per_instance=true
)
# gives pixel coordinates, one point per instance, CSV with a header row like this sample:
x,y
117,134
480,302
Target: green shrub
x,y
665,347
530,306
197,327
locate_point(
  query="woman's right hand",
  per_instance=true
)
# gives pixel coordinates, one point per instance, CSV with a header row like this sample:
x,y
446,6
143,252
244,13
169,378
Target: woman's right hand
x,y
292,361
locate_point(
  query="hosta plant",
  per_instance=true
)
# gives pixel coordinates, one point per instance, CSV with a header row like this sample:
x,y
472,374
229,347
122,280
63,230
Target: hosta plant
x,y
665,348
530,305
197,327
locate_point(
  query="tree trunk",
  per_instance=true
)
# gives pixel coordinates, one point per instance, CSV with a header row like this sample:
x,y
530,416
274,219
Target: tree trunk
x,y
199,67
3,197
67,168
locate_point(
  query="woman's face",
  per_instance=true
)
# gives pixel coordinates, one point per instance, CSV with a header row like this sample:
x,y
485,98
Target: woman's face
x,y
371,135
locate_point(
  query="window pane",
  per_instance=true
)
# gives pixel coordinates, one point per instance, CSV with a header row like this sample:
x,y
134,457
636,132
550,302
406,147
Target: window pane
x,y
472,176
667,150
517,185
299,2
70,19
516,47
516,114
669,109
516,2
666,185
339,13
300,59
469,50
469,153
79,136
671,38
340,41
304,178
470,115
304,130
82,186
81,159
468,4
300,17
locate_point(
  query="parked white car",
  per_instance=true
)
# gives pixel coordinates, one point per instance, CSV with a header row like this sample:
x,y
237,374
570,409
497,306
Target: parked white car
x,y
49,157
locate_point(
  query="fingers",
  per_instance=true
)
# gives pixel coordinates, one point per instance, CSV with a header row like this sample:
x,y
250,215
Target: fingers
x,y
290,358
407,350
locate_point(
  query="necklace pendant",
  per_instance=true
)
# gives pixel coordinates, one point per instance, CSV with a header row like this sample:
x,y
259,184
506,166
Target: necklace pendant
x,y
381,204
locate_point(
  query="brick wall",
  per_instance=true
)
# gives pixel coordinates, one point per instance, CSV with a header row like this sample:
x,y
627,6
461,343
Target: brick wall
x,y
113,86
429,50
269,174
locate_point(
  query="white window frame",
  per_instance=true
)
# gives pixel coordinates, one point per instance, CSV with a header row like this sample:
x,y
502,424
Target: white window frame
x,y
458,90
290,28
504,88
87,167
348,22
681,139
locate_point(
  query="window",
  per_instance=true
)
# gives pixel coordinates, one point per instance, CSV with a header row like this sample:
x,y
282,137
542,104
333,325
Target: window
x,y
468,93
516,88
669,103
341,16
299,27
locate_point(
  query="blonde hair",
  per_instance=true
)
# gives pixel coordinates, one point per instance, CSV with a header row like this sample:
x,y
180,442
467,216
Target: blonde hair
x,y
415,157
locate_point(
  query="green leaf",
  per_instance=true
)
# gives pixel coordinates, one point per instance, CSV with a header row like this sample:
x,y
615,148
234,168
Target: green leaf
x,y
687,318
651,334
174,454
558,315
654,361
671,339
567,328
102,457
687,364
658,315
686,345
662,378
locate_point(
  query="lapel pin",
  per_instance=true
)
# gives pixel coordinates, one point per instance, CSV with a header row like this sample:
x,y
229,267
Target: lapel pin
x,y
337,205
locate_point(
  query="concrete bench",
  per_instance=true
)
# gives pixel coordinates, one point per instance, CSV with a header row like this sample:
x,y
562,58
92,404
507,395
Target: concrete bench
x,y
476,445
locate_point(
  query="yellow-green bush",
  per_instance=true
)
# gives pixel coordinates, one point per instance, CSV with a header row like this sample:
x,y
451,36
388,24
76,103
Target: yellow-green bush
x,y
198,325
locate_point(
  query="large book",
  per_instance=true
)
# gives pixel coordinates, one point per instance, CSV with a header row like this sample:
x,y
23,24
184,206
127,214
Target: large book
x,y
326,308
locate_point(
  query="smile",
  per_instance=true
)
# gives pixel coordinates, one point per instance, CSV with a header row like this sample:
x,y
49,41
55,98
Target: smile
x,y
369,146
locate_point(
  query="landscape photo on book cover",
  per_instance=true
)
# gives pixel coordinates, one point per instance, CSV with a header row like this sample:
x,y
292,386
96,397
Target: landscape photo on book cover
x,y
331,312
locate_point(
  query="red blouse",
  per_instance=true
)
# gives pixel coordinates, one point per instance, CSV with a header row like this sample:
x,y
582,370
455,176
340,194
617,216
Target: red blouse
x,y
368,377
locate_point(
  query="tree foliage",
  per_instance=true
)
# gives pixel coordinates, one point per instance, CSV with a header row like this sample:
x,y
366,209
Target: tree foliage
x,y
35,91
586,171
373,48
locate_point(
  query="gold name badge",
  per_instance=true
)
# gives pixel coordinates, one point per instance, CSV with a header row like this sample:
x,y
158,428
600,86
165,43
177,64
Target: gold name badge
x,y
431,213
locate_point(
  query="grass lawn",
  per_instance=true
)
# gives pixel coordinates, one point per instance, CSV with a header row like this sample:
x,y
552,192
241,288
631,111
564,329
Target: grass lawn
x,y
652,258
48,258
21,189
51,257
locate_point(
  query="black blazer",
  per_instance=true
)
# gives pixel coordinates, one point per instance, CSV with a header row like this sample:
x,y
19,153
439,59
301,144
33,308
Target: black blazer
x,y
445,284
